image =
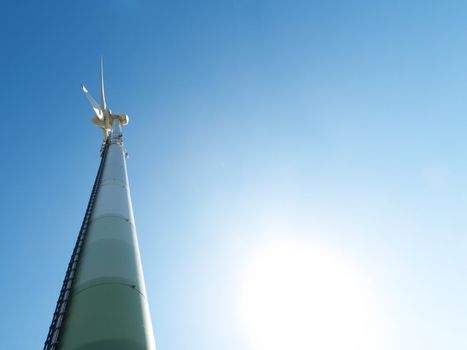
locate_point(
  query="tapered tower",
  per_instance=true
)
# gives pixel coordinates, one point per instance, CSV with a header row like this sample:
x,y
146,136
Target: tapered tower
x,y
103,301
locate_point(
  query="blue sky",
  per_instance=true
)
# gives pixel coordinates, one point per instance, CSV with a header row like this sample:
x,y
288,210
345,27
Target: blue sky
x,y
342,123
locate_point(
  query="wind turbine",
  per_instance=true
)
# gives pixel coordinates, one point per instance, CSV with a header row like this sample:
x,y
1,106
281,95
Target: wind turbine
x,y
103,301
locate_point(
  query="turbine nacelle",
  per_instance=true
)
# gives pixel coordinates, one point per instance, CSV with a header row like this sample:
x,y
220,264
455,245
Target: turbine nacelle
x,y
104,117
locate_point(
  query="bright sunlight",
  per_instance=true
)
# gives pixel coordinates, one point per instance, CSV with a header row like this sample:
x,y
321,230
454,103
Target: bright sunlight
x,y
303,297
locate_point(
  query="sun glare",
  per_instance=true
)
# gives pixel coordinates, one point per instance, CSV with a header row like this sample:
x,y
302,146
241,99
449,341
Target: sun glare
x,y
304,297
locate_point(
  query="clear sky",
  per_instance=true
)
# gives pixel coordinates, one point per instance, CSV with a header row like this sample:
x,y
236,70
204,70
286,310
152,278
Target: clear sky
x,y
263,135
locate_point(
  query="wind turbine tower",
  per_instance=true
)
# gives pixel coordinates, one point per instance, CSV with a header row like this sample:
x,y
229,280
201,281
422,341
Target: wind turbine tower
x,y
103,301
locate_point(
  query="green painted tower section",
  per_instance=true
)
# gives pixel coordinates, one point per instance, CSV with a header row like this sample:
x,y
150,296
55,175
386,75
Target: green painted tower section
x,y
103,304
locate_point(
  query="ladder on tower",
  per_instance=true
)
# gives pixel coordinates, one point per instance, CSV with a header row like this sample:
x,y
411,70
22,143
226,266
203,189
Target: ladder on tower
x,y
58,318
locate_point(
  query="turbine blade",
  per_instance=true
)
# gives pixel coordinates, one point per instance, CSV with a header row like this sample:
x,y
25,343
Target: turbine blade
x,y
93,102
103,104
